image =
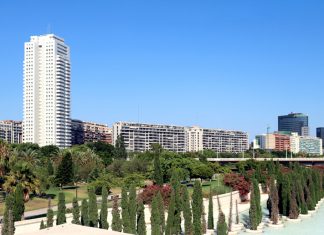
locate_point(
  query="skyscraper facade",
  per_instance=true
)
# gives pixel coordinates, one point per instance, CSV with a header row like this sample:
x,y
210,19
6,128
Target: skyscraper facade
x,y
294,122
47,91
320,134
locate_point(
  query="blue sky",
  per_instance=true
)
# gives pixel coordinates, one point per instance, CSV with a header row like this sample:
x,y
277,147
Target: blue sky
x,y
216,64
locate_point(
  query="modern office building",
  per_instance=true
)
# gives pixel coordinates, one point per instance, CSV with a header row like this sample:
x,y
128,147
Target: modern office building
x,y
310,145
273,141
83,132
320,134
294,122
139,137
47,91
11,131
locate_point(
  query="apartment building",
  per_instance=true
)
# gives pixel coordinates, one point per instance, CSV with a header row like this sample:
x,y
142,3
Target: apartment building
x,y
83,132
47,91
11,131
138,137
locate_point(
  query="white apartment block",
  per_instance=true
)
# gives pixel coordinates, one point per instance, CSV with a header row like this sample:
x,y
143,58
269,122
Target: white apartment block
x,y
11,131
138,137
47,91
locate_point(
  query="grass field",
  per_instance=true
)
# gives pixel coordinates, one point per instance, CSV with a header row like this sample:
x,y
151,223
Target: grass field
x,y
38,203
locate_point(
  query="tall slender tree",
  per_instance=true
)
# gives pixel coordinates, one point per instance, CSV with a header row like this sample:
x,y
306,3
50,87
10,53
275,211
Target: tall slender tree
x,y
125,210
7,216
65,173
93,208
221,222
84,213
157,173
274,200
75,211
116,223
50,217
11,225
141,226
176,187
103,223
203,221
155,217
161,211
230,214
120,150
19,205
293,208
197,203
187,215
253,213
61,218
210,210
237,215
132,209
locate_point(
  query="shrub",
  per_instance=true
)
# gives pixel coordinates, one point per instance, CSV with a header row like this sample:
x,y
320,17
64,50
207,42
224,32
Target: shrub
x,y
134,179
237,182
149,193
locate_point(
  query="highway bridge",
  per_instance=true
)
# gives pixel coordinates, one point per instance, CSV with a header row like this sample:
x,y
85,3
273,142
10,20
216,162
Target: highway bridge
x,y
305,161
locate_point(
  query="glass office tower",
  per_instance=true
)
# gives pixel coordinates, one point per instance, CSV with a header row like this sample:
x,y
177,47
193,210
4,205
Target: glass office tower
x,y
294,122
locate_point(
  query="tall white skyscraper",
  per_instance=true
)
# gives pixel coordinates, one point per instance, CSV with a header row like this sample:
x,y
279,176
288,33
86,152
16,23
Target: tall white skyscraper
x,y
47,91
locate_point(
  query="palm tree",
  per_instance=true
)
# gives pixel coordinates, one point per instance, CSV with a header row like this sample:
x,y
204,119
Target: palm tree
x,y
22,173
4,157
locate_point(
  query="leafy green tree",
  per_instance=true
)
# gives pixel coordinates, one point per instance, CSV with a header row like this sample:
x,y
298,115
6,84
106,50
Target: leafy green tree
x,y
157,173
50,168
176,188
11,225
141,226
93,208
19,205
7,222
293,208
49,151
197,203
257,199
274,200
116,224
103,223
187,215
155,217
120,150
42,225
84,213
65,173
61,218
125,210
210,211
75,211
132,209
103,150
160,203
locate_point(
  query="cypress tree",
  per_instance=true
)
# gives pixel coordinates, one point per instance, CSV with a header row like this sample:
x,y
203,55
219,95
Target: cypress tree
x,y
11,225
120,150
157,172
203,221
285,195
210,211
132,209
84,213
274,200
170,225
161,211
116,223
61,218
230,214
155,217
42,225
221,224
293,209
103,223
19,205
6,223
237,217
75,211
187,215
125,210
93,208
176,187
253,213
197,203
257,200
50,218
141,226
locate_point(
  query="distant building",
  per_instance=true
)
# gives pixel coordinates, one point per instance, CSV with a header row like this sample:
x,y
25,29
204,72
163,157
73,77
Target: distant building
x,y
289,141
47,92
310,145
11,131
139,137
83,132
320,134
294,122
